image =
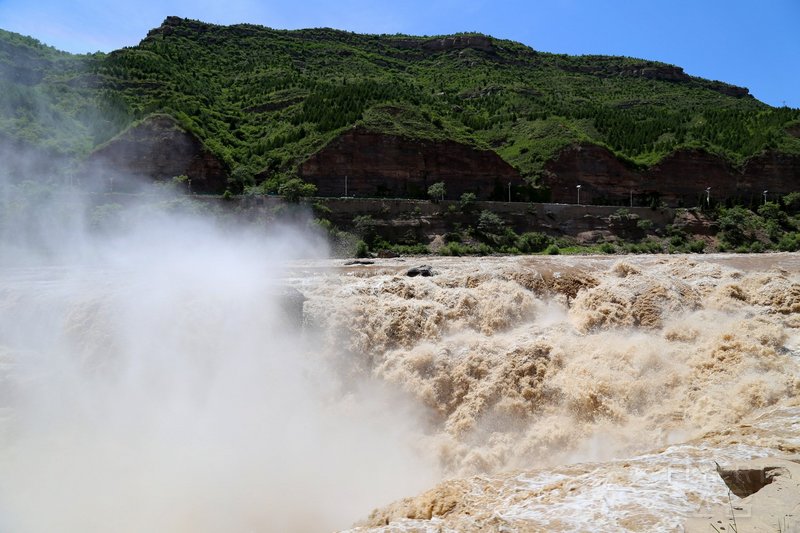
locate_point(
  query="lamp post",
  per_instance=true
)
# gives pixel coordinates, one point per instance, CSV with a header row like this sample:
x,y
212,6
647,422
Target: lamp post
x,y
579,194
708,196
765,197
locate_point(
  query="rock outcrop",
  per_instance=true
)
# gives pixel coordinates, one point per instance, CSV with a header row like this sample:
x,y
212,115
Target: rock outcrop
x,y
156,149
597,170
377,164
680,179
452,42
770,492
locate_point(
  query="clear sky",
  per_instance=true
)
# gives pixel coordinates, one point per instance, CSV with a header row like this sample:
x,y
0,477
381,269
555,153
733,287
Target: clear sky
x,y
752,43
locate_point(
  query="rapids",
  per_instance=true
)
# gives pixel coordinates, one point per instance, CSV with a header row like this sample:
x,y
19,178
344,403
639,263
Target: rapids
x,y
506,393
574,394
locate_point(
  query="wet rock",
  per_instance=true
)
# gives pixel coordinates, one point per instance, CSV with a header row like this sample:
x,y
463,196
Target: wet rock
x,y
771,490
749,479
359,262
423,270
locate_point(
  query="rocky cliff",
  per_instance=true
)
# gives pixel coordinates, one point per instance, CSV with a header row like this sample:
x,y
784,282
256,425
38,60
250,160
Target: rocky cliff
x,y
377,164
156,149
680,179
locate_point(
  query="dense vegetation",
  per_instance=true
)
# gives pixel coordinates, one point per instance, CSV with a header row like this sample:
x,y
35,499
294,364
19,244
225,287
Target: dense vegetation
x,y
266,99
771,226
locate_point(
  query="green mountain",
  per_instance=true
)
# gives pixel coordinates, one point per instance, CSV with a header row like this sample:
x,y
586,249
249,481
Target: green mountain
x,y
264,100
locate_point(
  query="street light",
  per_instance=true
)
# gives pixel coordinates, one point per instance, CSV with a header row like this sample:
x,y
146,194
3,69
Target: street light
x,y
579,194
708,196
765,197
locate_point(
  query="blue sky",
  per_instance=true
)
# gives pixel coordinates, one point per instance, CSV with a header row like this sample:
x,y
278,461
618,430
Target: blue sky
x,y
751,43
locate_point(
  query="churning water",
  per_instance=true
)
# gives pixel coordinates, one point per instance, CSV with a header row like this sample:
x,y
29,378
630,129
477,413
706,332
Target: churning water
x,y
185,379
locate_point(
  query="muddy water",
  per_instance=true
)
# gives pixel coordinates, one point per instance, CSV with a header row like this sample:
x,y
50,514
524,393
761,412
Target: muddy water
x,y
501,394
575,393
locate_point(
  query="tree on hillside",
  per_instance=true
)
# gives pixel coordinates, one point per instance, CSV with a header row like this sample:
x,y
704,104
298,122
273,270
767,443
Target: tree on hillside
x,y
295,188
437,191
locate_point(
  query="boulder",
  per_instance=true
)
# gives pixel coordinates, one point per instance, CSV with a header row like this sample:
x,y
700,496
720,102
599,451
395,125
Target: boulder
x,y
422,270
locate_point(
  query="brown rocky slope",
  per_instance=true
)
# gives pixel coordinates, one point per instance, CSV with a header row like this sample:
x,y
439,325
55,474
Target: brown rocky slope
x,y
377,164
157,148
680,179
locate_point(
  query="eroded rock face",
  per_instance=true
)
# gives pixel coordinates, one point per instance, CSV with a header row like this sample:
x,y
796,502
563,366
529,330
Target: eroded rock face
x,y
599,173
377,164
453,42
681,178
770,492
747,479
157,149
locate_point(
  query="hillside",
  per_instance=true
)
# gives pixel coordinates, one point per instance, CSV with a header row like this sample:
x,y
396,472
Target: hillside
x,y
264,100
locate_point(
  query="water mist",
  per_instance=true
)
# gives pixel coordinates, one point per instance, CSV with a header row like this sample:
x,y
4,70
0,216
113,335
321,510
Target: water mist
x,y
154,379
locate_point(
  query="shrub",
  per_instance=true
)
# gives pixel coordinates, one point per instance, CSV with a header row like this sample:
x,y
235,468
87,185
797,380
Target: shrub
x,y
651,246
362,250
735,225
363,221
321,209
467,201
791,202
325,225
552,250
408,249
789,242
608,248
633,248
697,246
677,240
771,211
452,236
490,223
622,214
453,248
295,188
483,249
533,242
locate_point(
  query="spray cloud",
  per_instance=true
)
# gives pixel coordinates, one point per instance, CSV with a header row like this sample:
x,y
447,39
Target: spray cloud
x,y
154,375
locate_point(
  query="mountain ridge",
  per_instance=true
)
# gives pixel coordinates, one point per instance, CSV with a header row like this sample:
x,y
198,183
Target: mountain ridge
x,y
264,100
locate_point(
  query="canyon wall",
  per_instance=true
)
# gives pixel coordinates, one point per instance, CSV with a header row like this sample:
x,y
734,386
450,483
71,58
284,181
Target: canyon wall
x,y
680,179
155,149
383,165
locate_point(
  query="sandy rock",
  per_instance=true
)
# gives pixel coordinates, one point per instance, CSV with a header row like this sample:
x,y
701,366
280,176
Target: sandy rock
x,y
771,487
